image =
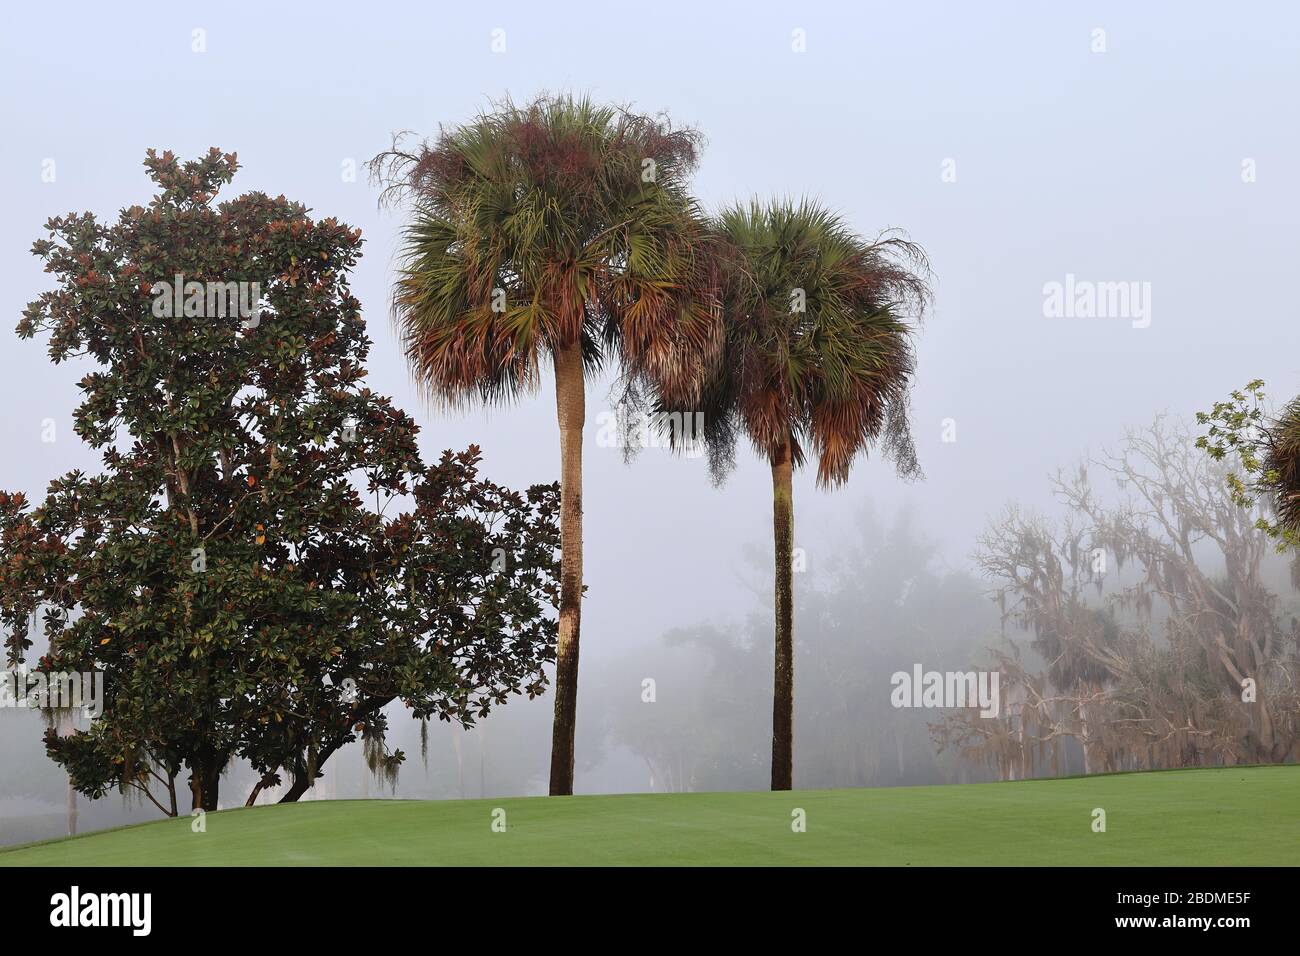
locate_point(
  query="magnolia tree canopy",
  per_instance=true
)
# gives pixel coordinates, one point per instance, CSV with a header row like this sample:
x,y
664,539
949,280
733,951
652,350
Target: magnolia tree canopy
x,y
263,562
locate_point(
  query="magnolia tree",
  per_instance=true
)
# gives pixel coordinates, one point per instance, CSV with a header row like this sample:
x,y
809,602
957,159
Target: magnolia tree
x,y
234,570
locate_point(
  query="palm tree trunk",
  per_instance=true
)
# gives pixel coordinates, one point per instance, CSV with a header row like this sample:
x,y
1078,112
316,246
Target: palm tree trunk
x,y
570,406
783,678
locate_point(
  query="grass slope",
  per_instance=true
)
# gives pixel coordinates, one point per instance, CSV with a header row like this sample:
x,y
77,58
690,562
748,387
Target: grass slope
x,y
1248,816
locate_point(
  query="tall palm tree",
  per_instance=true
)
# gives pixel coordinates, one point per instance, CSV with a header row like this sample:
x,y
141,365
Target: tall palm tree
x,y
817,360
563,232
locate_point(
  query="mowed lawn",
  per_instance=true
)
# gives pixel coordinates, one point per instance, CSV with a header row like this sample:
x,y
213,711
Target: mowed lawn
x,y
1247,816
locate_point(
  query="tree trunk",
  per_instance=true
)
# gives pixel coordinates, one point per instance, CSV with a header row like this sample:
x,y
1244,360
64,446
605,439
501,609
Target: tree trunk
x,y
456,731
783,677
205,781
570,405
68,727
1084,740
482,760
303,779
300,785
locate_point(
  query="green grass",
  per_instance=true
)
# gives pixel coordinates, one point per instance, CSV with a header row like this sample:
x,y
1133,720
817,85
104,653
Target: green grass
x,y
1248,816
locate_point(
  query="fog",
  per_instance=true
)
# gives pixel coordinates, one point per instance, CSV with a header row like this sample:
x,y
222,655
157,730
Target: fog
x,y
994,135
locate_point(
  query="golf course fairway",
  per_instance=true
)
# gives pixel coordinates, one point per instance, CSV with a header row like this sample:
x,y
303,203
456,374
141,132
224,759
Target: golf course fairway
x,y
1221,817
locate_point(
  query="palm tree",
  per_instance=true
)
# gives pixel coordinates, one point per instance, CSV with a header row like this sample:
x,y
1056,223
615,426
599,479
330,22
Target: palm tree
x,y
817,360
1282,467
560,231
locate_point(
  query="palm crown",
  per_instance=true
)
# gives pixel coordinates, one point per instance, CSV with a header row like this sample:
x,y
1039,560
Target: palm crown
x,y
818,350
538,227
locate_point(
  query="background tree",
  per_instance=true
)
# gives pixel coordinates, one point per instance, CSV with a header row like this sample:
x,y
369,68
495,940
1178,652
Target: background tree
x,y
560,231
223,570
1183,654
1044,576
817,359
707,731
